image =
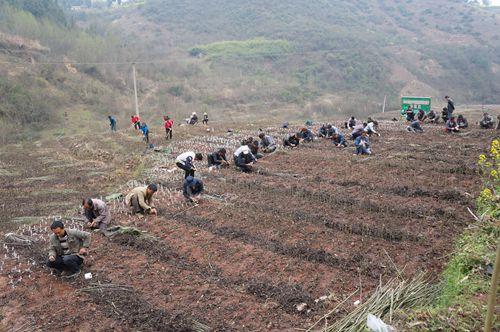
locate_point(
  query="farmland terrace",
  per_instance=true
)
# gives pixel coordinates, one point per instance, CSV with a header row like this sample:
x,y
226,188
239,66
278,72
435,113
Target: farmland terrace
x,y
274,250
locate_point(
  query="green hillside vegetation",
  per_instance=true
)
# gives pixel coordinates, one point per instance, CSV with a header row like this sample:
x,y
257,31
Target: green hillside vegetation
x,y
343,53
258,47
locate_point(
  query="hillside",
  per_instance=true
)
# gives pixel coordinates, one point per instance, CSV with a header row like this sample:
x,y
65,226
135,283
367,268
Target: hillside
x,y
344,56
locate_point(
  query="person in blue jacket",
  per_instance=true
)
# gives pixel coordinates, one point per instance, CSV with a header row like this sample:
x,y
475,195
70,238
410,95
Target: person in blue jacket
x,y
192,189
362,144
112,122
145,132
306,135
339,140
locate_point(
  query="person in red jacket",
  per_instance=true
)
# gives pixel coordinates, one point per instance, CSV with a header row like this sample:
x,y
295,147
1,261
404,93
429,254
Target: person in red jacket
x,y
135,121
168,123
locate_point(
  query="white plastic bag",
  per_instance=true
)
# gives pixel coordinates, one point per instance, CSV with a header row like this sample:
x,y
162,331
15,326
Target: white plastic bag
x,y
375,324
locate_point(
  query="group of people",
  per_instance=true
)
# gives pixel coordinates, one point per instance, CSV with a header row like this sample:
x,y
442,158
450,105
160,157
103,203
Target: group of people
x,y
452,123
193,119
359,133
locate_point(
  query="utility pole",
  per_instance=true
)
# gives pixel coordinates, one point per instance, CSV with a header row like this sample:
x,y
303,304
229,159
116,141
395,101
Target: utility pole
x,y
383,107
135,91
492,300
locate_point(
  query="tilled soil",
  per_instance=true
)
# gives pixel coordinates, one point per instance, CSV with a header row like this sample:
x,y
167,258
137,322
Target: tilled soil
x,y
278,250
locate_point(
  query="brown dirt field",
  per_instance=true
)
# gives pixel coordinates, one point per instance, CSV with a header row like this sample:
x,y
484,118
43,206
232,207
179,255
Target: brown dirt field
x,y
313,221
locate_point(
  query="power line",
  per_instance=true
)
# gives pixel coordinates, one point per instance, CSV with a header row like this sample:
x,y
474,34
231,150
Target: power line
x,y
173,59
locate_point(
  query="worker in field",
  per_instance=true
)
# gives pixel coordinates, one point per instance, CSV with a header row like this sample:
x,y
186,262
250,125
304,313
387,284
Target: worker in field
x,y
462,122
244,159
267,143
140,199
112,123
332,130
145,132
486,122
415,127
193,119
432,117
351,123
217,159
185,161
498,122
67,249
450,107
323,131
410,114
339,140
192,189
291,141
168,123
205,118
136,121
254,148
421,116
370,128
306,135
362,144
445,114
451,125
97,214
358,130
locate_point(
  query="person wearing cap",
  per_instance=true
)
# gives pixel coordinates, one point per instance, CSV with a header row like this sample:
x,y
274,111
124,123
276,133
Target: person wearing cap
x,y
244,159
193,119
205,118
97,214
362,144
185,161
168,123
140,199
67,248
192,189
267,143
217,159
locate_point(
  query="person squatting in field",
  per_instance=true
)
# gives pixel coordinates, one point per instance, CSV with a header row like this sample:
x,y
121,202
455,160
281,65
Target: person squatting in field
x,y
97,214
291,141
267,143
217,159
192,189
244,159
67,248
415,127
140,199
362,144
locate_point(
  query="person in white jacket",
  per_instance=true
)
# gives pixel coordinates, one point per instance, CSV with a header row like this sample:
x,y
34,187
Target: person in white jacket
x,y
186,160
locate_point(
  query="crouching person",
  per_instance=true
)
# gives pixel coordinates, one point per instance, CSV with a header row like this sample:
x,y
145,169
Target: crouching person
x,y
217,159
97,214
244,160
339,140
363,144
140,199
267,143
67,249
192,189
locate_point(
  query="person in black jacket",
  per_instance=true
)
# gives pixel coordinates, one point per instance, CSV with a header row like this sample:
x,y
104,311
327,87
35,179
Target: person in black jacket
x,y
292,141
245,160
192,189
217,159
450,107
